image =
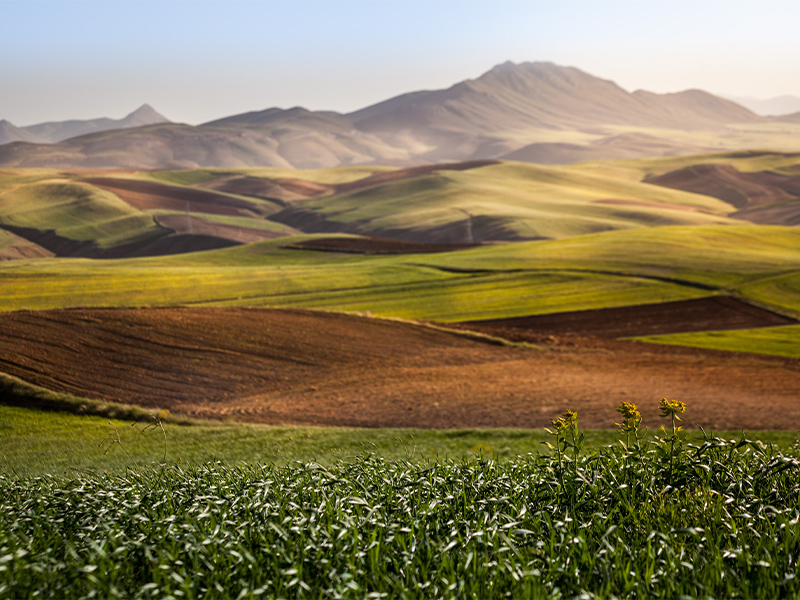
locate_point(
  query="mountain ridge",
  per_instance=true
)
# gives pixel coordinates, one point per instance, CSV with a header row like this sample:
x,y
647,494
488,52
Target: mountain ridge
x,y
58,131
500,112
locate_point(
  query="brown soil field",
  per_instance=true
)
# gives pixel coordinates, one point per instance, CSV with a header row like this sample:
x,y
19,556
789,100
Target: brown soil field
x,y
148,195
268,189
304,367
702,314
390,176
375,245
742,190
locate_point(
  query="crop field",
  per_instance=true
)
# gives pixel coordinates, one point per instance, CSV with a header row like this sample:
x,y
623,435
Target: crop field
x,y
777,341
662,517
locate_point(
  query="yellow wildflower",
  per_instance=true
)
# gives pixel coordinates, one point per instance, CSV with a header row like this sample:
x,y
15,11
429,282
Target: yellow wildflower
x,y
671,408
630,415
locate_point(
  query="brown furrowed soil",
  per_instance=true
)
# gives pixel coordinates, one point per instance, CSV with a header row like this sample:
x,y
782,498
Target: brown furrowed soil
x,y
304,367
766,198
714,313
149,195
400,174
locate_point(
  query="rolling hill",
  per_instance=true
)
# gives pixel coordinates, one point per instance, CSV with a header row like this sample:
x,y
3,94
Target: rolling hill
x,y
115,215
509,112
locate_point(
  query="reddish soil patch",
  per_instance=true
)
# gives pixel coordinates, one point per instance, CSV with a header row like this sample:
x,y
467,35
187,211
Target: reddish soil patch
x,y
390,176
258,187
292,366
786,213
741,190
702,314
149,195
375,245
308,189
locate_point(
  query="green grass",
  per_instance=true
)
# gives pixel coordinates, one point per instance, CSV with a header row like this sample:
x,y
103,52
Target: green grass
x,y
711,518
774,341
76,211
600,270
37,442
525,200
782,290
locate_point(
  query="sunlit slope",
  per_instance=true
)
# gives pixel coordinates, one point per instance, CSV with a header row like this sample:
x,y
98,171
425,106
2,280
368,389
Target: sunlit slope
x,y
126,214
724,257
326,176
747,161
507,201
610,269
73,210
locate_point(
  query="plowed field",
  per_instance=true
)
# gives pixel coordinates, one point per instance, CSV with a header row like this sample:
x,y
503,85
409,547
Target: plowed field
x,y
149,195
291,366
715,313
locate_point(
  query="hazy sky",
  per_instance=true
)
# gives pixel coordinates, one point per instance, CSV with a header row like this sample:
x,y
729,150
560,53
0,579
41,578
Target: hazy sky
x,y
197,60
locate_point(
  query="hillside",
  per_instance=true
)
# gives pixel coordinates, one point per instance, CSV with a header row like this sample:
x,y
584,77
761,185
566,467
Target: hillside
x,y
123,214
500,114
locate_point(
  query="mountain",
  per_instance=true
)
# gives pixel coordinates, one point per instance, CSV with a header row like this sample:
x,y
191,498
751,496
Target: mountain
x,y
545,95
501,112
57,131
778,106
11,133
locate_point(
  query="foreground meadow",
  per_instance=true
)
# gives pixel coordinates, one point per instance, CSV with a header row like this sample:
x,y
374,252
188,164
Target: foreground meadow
x,y
662,517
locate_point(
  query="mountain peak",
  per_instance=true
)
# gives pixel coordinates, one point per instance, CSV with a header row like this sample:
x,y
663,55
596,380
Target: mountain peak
x,y
144,115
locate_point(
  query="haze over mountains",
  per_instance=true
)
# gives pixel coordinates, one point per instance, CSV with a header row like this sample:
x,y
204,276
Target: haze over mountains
x,y
778,106
57,131
536,112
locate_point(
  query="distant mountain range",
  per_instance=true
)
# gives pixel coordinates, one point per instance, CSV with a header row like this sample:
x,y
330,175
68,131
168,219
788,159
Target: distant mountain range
x,y
528,111
778,106
57,131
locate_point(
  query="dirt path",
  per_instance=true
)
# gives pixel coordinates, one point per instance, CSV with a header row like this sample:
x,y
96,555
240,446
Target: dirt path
x,y
291,366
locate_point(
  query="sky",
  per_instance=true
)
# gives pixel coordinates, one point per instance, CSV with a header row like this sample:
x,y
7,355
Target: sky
x,y
195,60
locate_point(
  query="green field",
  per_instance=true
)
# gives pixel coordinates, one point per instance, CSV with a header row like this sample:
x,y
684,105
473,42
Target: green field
x,y
775,341
610,269
36,443
658,518
520,200
671,246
